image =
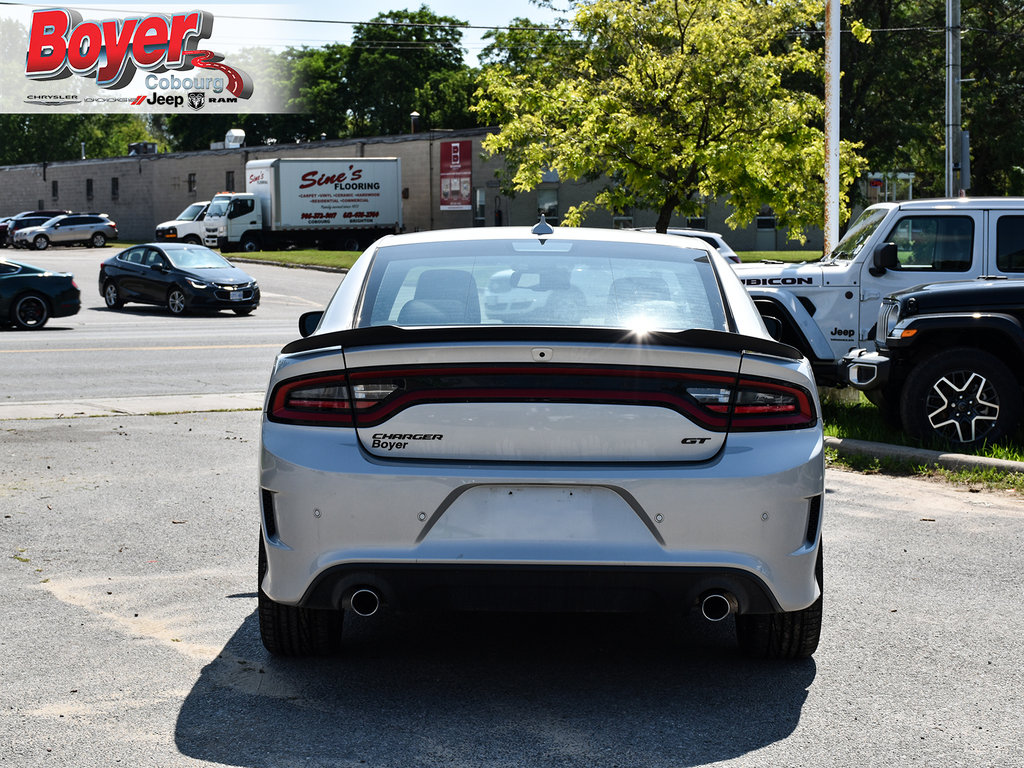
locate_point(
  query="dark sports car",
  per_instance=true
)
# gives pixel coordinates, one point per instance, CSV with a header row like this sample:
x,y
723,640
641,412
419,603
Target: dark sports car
x,y
179,276
29,296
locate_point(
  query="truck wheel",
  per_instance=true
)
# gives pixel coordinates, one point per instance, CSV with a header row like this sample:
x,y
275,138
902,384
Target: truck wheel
x,y
249,243
192,240
963,397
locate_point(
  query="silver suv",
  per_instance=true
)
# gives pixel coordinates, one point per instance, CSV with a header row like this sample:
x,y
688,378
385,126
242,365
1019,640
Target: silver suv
x,y
93,230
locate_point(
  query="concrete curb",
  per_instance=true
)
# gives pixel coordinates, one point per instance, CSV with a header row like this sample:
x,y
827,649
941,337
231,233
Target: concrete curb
x,y
131,406
286,264
848,447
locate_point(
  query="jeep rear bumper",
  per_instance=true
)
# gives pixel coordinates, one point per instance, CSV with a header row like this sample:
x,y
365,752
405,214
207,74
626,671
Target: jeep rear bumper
x,y
864,370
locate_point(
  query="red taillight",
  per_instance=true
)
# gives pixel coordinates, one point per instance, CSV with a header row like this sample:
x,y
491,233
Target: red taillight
x,y
322,400
715,401
761,405
325,400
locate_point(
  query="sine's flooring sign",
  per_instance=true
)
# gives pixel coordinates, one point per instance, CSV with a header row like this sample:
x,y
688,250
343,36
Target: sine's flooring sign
x,y
78,58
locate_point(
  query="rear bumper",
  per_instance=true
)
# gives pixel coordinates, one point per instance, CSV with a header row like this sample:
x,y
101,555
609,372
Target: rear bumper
x,y
335,518
541,588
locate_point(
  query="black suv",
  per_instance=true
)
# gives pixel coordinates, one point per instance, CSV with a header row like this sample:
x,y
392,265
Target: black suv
x,y
950,361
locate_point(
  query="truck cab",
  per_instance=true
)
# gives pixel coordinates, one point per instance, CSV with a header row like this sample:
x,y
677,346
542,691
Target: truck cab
x,y
187,227
830,306
233,220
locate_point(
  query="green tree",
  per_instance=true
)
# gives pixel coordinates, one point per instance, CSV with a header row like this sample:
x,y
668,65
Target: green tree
x,y
39,138
393,56
892,93
674,100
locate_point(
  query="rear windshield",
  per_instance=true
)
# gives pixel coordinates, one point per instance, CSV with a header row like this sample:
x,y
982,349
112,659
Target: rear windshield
x,y
563,283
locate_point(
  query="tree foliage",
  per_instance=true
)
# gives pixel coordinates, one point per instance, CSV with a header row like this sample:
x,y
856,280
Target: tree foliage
x,y
394,56
50,138
675,101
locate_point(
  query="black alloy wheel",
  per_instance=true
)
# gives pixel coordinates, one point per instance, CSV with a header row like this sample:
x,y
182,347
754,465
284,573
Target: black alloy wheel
x,y
30,312
961,397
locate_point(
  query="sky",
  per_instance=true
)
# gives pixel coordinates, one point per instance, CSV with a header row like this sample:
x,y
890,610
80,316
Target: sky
x,y
241,23
236,25
477,13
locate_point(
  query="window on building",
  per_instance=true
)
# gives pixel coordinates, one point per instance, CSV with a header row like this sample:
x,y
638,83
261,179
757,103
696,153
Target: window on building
x,y
88,189
53,189
480,208
547,203
229,181
115,188
191,182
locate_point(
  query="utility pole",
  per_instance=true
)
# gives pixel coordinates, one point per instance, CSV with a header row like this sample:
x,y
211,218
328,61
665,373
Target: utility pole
x,y
954,147
832,124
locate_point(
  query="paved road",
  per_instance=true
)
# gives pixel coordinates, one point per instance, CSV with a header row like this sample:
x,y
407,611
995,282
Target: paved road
x,y
130,637
143,350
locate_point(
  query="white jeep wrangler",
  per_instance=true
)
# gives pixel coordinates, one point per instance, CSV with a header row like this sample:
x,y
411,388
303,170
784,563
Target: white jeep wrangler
x,y
827,307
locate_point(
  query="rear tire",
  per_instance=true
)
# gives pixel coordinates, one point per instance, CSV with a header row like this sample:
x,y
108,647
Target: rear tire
x,y
98,240
790,635
112,296
287,630
30,312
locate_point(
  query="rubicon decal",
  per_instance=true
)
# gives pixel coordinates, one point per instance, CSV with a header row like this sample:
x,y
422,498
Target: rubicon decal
x,y
61,44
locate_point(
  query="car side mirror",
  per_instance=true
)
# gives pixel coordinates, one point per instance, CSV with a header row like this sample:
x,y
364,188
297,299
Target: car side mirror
x,y
308,322
884,258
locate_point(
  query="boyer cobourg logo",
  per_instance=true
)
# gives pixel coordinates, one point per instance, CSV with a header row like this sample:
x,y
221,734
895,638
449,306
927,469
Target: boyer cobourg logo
x,y
61,44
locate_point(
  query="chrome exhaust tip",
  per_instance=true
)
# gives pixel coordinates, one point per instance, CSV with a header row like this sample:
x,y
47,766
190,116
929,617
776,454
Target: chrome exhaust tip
x,y
364,602
718,605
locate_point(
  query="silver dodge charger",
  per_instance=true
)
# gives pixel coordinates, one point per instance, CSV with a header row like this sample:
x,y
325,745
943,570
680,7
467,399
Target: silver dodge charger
x,y
551,419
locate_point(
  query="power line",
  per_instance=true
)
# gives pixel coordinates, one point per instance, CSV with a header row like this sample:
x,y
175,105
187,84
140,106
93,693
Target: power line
x,y
281,19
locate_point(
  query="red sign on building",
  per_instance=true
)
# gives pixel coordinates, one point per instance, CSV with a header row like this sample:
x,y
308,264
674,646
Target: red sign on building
x,y
456,175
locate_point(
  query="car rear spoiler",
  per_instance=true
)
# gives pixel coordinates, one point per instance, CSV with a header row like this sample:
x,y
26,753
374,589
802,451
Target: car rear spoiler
x,y
391,335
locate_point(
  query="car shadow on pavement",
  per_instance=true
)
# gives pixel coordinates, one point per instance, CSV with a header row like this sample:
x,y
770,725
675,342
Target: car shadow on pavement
x,y
495,689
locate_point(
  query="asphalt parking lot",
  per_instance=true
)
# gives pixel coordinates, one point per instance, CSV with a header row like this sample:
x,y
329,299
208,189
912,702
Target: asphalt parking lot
x,y
128,579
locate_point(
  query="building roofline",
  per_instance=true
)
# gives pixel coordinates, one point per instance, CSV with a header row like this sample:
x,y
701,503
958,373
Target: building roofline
x,y
427,135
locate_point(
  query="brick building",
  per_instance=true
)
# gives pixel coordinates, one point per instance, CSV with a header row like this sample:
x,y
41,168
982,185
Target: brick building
x,y
142,190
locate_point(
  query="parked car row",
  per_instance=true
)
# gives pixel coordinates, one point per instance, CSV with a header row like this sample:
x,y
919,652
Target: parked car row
x,y
40,229
181,277
10,224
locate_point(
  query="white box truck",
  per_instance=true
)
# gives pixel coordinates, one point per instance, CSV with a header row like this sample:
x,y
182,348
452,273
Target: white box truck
x,y
343,203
